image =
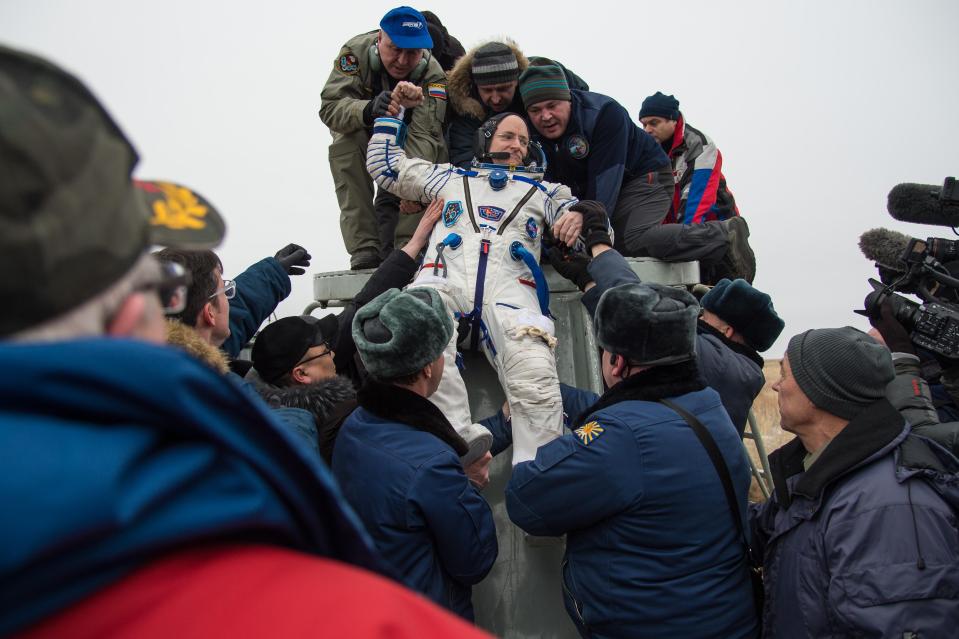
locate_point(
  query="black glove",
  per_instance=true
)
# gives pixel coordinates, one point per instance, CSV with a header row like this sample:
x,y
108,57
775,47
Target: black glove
x,y
568,264
893,333
378,107
595,222
293,256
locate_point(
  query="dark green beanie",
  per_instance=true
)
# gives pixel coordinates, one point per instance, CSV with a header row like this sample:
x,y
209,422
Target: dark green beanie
x,y
400,332
542,83
840,370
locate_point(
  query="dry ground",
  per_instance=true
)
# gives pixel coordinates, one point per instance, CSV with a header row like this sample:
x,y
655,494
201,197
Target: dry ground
x,y
766,410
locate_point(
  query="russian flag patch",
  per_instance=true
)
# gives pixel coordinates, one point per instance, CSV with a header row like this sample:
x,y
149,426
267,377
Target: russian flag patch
x,y
437,90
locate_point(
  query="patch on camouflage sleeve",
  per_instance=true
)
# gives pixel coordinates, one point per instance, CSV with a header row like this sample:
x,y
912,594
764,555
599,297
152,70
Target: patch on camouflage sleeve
x,y
348,64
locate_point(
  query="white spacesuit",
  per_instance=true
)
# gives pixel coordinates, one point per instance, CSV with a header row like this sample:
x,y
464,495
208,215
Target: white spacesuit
x,y
483,258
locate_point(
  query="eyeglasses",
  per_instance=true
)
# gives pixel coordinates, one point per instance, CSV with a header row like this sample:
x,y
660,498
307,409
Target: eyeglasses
x,y
328,351
228,289
509,136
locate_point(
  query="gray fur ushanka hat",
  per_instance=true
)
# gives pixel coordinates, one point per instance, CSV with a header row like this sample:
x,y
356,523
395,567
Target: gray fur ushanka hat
x,y
649,324
400,332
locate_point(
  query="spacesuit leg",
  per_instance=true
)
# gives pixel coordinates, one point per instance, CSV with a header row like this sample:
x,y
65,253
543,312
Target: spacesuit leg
x,y
526,364
451,396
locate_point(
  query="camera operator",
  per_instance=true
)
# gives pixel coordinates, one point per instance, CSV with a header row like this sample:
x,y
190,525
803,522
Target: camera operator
x,y
909,392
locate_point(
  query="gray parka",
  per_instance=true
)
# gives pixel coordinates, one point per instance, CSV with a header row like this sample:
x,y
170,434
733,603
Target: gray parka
x,y
860,545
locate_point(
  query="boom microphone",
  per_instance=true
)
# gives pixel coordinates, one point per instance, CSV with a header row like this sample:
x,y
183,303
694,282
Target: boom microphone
x,y
884,247
925,203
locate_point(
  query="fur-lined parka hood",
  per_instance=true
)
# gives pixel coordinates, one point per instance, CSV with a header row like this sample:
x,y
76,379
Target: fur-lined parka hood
x,y
459,86
318,398
186,338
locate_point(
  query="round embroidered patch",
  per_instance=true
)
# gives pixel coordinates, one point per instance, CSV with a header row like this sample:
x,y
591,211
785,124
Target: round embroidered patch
x,y
348,64
578,146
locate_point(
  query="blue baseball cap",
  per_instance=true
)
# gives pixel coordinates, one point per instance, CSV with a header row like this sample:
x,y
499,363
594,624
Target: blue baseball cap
x,y
407,28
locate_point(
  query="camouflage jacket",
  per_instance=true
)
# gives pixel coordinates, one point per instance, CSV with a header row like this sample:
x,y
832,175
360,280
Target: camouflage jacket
x,y
353,83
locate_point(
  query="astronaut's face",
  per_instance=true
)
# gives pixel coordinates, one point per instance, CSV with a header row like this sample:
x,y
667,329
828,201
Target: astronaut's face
x,y
511,137
550,117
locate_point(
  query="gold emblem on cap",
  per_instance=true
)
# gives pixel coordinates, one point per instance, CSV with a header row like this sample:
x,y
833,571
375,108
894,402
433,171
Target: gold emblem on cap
x,y
180,208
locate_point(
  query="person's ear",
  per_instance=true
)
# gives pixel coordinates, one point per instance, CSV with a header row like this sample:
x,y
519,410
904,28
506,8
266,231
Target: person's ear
x,y
300,376
127,318
427,371
208,314
617,364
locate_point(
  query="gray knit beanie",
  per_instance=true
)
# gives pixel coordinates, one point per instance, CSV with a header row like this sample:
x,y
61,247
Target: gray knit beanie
x,y
494,63
400,332
841,370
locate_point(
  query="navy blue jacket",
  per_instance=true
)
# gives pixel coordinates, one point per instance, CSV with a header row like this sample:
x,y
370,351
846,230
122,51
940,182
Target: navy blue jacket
x,y
652,549
259,289
616,150
732,370
116,451
396,460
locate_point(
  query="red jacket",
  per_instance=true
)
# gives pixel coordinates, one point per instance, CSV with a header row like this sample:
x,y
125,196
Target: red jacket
x,y
253,591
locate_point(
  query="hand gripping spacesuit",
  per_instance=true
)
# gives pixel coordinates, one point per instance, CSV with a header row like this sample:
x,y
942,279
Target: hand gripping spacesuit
x,y
483,258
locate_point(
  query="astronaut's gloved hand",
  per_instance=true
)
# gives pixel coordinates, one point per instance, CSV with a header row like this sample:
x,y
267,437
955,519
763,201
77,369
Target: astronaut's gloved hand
x,y
292,257
595,222
378,107
893,333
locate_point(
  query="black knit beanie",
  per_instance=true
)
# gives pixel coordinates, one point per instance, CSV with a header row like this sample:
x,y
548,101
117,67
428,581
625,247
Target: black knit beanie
x,y
841,370
494,63
661,105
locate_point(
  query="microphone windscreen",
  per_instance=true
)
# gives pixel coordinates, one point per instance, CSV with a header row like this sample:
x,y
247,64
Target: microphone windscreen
x,y
920,204
885,247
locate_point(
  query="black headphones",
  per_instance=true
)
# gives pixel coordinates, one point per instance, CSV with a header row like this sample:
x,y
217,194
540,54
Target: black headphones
x,y
416,75
484,134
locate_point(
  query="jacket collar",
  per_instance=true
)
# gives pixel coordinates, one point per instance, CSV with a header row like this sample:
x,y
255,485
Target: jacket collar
x,y
675,146
878,428
651,385
406,407
736,347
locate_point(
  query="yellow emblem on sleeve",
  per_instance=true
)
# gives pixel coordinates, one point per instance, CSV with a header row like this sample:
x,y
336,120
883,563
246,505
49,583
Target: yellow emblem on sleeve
x,y
589,432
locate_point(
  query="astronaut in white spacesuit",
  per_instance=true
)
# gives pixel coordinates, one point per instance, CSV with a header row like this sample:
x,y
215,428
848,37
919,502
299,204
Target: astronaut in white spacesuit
x,y
483,258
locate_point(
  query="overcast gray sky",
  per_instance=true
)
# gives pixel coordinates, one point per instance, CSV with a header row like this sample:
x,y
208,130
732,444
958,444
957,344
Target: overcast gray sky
x,y
818,107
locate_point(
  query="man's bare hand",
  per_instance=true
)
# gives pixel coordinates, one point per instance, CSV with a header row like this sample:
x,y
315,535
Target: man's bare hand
x,y
568,227
423,230
408,95
409,207
478,471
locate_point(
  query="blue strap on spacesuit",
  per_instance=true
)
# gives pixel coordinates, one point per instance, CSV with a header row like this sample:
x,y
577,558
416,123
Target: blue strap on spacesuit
x,y
528,180
477,314
519,252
